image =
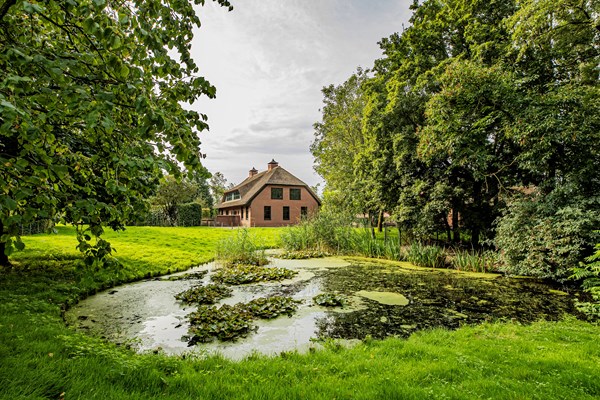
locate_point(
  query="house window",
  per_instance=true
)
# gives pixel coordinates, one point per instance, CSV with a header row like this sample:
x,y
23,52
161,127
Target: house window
x,y
286,213
294,194
232,196
277,193
242,213
267,213
246,213
303,212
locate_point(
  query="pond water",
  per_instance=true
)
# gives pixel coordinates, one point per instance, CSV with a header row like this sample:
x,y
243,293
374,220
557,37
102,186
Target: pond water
x,y
384,299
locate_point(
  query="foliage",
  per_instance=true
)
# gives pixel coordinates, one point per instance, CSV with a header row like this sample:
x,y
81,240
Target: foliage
x,y
590,273
546,236
218,185
208,294
241,274
230,322
91,110
338,138
330,300
473,102
224,323
426,256
181,200
241,249
189,214
474,261
271,307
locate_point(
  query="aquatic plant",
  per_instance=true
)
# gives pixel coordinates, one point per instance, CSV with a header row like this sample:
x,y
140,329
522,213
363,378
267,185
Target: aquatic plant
x,y
240,274
208,294
231,322
426,256
473,261
240,249
224,323
330,300
303,254
271,307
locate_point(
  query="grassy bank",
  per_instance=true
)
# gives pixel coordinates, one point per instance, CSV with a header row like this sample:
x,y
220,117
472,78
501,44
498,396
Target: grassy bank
x,y
41,358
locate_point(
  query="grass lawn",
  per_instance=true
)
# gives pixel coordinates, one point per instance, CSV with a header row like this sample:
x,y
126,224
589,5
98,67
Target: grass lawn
x,y
40,358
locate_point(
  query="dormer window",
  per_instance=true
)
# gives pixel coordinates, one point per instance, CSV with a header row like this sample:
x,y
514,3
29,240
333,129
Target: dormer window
x,y
232,196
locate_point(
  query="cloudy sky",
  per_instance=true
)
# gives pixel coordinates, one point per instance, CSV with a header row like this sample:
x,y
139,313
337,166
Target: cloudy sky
x,y
269,60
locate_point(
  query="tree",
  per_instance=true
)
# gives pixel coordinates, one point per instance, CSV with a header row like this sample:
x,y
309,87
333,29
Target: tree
x,y
173,192
91,95
338,139
218,185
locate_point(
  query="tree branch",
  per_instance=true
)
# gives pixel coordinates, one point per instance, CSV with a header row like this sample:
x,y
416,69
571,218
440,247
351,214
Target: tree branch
x,y
5,6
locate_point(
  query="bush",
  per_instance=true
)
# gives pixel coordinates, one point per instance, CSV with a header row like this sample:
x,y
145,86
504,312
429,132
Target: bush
x,y
546,236
590,273
240,249
189,214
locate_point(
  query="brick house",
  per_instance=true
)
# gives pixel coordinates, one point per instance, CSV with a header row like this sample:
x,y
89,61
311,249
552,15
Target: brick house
x,y
270,198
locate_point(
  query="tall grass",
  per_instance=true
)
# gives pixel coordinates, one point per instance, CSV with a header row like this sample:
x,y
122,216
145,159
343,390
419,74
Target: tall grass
x,y
473,261
363,243
240,249
426,256
325,232
334,234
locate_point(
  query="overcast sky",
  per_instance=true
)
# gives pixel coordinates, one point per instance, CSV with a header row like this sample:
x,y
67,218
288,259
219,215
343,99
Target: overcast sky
x,y
269,60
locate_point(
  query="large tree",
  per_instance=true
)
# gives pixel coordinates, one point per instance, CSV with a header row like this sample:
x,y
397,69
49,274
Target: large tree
x,y
91,95
338,140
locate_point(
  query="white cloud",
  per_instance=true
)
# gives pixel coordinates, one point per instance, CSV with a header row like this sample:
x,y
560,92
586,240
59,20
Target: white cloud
x,y
269,60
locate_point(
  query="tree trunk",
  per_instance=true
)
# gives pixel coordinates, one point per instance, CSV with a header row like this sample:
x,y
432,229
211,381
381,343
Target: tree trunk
x,y
455,227
4,262
371,225
380,221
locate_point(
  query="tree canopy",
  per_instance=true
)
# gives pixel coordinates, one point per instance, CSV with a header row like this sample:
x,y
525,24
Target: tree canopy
x,y
480,119
91,110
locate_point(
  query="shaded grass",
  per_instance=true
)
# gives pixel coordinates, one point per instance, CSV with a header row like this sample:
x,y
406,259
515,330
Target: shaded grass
x,y
40,358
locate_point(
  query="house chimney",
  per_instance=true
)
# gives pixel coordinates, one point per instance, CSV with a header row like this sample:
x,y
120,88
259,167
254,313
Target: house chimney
x,y
272,164
252,172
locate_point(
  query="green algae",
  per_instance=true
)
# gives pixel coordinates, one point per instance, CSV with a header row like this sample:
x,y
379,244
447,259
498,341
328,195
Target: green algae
x,y
388,298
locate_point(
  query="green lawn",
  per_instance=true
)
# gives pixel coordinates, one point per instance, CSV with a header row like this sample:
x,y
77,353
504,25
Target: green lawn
x,y
41,358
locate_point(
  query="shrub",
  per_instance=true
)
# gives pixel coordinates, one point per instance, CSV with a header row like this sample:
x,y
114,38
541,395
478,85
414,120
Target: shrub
x,y
590,273
546,236
240,249
189,214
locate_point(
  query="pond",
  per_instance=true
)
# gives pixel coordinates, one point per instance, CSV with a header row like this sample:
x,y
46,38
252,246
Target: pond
x,y
382,299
